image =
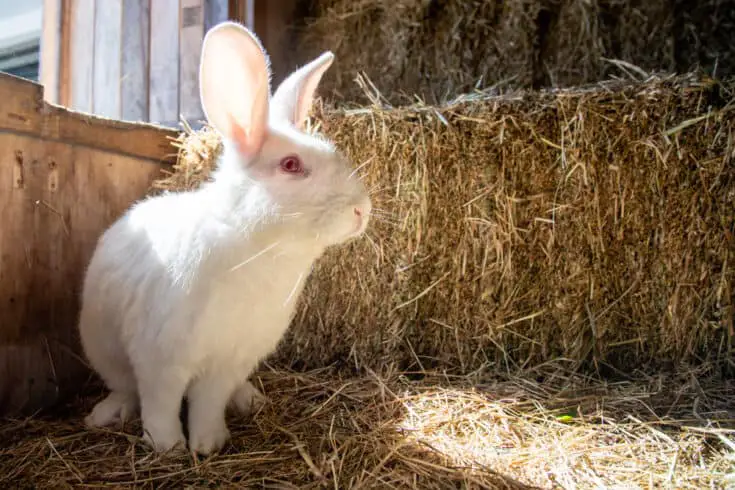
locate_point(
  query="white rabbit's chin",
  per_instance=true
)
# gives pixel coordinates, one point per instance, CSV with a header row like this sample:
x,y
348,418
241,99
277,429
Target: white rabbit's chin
x,y
341,233
358,229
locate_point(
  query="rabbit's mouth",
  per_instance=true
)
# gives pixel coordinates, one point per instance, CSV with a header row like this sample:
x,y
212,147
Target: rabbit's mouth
x,y
362,217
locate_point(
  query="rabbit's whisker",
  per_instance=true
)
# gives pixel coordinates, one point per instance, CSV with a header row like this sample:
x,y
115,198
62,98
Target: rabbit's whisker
x,y
382,212
358,169
376,189
383,217
386,221
247,261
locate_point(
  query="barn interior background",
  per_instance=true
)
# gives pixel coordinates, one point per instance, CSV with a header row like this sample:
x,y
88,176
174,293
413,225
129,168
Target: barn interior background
x,y
544,299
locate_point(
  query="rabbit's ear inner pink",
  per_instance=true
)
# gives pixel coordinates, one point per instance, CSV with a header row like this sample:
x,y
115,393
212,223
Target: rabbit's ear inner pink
x,y
234,78
293,99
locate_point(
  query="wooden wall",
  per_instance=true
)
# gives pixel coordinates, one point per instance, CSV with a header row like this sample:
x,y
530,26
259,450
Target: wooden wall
x,y
271,21
64,177
138,60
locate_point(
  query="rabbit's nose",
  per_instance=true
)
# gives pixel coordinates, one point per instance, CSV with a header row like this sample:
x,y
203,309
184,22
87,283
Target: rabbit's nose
x,y
358,212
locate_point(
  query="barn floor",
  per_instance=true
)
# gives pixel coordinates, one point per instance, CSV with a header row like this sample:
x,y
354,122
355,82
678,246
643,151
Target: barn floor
x,y
402,430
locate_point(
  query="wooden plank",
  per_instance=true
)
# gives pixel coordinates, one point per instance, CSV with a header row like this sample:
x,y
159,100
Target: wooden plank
x,y
135,57
215,11
249,15
107,59
24,112
53,210
29,262
82,55
27,377
271,22
21,180
65,55
22,103
236,10
164,71
140,140
51,34
192,35
245,11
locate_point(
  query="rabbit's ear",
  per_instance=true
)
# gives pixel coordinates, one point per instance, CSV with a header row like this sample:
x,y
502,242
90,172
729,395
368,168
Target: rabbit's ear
x,y
292,101
234,81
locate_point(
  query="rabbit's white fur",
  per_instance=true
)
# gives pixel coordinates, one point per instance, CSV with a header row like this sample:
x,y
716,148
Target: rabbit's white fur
x,y
188,291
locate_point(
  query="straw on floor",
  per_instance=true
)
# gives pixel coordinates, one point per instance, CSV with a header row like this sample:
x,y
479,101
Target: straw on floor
x,y
389,429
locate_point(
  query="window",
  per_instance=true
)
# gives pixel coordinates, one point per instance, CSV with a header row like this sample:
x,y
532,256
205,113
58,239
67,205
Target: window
x,y
20,37
21,59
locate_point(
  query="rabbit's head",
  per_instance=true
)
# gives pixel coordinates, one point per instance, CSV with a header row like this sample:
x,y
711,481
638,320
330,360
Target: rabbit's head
x,y
285,173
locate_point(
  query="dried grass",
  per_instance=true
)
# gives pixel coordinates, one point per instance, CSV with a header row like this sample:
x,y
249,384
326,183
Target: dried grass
x,y
419,48
704,35
437,49
415,430
593,225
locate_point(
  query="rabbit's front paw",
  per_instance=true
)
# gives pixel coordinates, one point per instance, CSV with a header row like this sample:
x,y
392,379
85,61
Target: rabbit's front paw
x,y
208,438
116,409
163,440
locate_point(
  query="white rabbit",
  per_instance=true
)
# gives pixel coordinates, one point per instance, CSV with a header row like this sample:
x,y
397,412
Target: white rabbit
x,y
188,291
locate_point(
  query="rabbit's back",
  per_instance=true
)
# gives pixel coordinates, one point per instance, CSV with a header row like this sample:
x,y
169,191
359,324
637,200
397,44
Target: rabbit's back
x,y
131,280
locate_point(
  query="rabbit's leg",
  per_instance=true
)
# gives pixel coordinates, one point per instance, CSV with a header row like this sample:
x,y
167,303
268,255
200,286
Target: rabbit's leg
x,y
116,409
121,404
110,361
247,398
208,396
161,393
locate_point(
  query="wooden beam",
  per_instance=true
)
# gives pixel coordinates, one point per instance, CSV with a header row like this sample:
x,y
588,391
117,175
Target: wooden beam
x,y
24,112
135,58
215,11
82,55
65,55
191,37
271,22
107,59
243,11
51,46
164,71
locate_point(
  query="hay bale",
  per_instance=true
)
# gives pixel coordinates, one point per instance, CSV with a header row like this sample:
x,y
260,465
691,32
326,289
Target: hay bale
x,y
419,47
582,38
437,49
704,35
594,225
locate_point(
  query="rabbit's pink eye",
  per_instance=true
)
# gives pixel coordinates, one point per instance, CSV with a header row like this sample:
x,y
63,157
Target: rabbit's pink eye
x,y
292,165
